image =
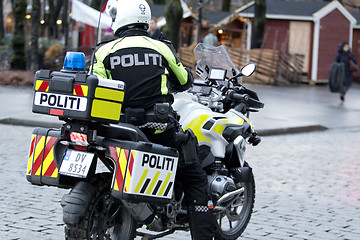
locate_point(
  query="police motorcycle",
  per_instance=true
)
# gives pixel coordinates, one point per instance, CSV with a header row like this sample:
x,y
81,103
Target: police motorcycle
x,y
217,109
122,185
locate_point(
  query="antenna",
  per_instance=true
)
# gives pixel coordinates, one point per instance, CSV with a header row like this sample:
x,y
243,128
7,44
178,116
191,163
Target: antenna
x,y
97,37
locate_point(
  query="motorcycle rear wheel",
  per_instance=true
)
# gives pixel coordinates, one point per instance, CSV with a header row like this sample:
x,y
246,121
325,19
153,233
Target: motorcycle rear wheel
x,y
231,224
105,218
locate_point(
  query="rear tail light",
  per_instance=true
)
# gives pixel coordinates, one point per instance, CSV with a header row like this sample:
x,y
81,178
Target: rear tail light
x,y
79,139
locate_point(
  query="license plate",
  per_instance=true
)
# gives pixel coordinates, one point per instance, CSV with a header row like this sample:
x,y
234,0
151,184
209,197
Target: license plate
x,y
76,163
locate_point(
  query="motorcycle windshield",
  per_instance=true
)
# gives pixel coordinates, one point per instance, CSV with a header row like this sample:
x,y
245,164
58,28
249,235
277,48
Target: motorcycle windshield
x,y
213,57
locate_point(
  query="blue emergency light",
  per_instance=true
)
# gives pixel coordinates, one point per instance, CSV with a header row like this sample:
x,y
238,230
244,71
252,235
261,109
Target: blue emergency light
x,y
74,61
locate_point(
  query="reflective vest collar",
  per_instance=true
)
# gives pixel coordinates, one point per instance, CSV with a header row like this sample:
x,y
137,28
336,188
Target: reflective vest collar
x,y
134,32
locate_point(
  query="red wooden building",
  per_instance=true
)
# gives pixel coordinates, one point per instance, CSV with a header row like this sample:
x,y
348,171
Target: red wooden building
x,y
356,42
313,29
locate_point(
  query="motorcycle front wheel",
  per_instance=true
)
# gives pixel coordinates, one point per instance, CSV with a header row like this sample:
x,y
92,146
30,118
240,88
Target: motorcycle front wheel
x,y
105,217
231,223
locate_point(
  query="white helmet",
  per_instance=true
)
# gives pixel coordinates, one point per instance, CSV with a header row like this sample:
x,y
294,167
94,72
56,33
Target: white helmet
x,y
128,13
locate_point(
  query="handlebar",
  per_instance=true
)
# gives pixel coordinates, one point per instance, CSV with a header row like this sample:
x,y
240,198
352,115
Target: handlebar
x,y
238,97
246,99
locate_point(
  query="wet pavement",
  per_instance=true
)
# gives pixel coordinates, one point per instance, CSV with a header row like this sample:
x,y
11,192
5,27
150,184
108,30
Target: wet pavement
x,y
303,107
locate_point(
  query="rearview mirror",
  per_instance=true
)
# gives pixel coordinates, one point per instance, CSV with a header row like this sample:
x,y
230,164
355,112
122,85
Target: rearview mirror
x,y
248,69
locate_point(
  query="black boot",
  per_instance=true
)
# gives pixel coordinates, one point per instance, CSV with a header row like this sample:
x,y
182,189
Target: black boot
x,y
202,223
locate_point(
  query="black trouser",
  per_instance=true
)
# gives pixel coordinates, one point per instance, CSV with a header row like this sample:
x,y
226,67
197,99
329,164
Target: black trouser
x,y
195,186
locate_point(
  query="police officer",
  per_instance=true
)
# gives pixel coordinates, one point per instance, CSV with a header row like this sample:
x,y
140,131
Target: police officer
x,y
150,69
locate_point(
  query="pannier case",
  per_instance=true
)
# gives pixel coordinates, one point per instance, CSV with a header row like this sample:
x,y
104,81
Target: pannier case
x,y
144,172
78,96
41,168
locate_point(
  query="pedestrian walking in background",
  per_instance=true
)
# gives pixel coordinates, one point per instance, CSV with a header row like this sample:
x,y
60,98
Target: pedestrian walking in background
x,y
154,31
350,65
211,38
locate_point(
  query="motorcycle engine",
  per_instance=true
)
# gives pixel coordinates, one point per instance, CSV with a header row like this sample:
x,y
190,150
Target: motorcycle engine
x,y
220,185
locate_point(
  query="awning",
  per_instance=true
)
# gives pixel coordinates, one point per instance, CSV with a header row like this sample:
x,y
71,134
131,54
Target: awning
x,y
87,15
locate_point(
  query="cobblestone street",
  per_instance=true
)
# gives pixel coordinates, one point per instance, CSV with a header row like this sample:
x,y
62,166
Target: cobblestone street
x,y
26,211
307,187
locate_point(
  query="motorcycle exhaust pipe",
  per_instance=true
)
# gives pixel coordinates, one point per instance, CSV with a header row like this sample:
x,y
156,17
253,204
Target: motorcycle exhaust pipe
x,y
156,225
142,212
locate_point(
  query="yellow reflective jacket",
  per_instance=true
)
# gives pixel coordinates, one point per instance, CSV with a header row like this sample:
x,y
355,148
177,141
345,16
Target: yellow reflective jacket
x,y
148,67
